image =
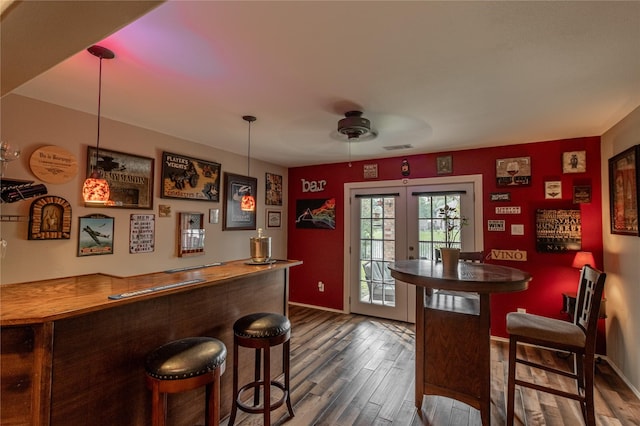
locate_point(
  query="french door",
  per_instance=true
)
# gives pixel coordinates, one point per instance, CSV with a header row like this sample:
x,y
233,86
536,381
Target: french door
x,y
394,223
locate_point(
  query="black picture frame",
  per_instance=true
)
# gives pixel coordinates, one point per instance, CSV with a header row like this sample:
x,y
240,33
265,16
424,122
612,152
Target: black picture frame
x,y
235,186
624,175
130,178
189,178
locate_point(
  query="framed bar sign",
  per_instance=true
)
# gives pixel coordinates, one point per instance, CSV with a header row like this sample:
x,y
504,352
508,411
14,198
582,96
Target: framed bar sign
x,y
624,191
130,177
189,178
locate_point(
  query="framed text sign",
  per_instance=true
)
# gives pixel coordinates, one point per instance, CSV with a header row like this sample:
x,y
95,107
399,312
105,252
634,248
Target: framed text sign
x,y
189,178
558,230
142,228
130,177
623,191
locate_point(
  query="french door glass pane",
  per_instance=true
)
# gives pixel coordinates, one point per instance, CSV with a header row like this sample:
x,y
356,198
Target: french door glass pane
x,y
377,249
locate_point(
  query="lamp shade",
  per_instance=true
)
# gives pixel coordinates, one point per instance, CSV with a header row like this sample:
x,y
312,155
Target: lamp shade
x,y
583,258
247,203
95,190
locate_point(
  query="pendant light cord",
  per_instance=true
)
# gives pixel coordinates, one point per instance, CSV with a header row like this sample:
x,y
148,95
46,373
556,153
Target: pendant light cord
x,y
249,152
99,104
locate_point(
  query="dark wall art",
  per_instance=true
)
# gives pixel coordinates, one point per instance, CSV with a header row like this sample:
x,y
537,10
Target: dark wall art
x,y
623,191
236,187
558,230
316,213
189,178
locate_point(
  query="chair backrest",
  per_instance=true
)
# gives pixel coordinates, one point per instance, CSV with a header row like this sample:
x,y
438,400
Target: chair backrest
x,y
377,271
472,256
589,298
465,256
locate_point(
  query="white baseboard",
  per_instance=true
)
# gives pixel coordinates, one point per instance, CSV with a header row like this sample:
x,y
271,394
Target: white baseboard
x,y
320,308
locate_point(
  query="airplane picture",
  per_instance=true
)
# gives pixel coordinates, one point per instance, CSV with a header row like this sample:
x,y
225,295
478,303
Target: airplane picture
x,y
94,234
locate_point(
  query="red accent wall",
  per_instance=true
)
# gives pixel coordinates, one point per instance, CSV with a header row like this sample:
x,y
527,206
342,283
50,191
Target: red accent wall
x,y
322,250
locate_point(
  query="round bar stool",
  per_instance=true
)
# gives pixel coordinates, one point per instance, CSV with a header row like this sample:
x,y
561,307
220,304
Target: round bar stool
x,y
261,331
183,365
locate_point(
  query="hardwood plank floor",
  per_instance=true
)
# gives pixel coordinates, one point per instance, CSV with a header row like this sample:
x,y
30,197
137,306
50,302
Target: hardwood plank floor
x,y
357,370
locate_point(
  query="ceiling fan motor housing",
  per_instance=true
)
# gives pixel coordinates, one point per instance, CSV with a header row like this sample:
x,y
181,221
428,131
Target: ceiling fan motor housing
x,y
354,125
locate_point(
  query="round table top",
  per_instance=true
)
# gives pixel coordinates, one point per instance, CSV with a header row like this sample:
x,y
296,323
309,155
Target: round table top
x,y
472,277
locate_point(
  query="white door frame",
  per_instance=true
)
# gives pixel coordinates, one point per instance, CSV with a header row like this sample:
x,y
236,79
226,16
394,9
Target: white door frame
x,y
476,180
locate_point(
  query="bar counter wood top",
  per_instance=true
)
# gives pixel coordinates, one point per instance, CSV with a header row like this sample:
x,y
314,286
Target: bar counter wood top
x,y
50,300
72,349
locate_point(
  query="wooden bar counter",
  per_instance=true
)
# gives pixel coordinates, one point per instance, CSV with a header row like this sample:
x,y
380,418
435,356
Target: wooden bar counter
x,y
71,355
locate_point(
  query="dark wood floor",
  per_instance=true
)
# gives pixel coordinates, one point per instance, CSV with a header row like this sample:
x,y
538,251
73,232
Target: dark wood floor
x,y
357,370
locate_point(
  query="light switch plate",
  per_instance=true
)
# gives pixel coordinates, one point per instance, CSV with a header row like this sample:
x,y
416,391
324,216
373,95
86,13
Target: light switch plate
x,y
517,229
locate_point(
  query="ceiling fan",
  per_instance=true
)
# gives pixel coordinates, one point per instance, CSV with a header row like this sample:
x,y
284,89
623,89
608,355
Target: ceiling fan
x,y
356,128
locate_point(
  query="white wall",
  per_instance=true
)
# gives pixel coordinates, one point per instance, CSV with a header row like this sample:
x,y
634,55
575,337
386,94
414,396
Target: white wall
x,y
32,124
622,265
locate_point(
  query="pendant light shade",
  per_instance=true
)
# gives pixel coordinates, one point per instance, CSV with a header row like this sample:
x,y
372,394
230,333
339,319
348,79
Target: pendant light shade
x,y
95,189
248,201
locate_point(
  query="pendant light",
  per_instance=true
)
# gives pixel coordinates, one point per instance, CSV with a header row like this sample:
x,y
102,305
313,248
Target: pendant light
x,y
248,202
96,189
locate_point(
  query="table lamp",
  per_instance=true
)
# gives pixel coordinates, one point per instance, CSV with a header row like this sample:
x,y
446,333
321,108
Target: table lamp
x,y
583,258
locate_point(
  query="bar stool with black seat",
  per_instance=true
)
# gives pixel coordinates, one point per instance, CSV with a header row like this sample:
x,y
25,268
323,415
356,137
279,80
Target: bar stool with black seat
x,y
184,365
261,331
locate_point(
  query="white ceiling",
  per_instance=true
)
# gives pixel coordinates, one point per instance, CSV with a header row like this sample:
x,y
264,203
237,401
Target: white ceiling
x,y
437,75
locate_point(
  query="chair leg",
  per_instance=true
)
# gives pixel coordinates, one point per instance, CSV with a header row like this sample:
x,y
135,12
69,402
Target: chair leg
x,y
234,404
287,375
256,378
588,370
511,383
158,407
266,404
212,416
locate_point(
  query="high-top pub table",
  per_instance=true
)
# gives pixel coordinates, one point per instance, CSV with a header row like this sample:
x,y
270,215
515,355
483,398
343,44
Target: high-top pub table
x,y
453,320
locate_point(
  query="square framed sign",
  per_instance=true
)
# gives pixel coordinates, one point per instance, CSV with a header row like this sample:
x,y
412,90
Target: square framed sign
x,y
95,235
274,219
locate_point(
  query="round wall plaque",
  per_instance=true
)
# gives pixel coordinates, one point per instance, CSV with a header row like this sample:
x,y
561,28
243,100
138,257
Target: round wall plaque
x,y
53,164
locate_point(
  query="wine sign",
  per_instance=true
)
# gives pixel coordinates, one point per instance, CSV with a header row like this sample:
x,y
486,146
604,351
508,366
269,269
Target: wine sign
x,y
513,171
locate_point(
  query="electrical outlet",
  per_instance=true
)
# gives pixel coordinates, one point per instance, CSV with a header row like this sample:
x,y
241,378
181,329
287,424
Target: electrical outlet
x,y
522,310
320,286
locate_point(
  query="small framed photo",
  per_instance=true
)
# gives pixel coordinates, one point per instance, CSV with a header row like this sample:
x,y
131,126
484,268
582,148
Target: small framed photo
x,y
624,174
274,219
574,162
553,190
236,187
444,164
95,236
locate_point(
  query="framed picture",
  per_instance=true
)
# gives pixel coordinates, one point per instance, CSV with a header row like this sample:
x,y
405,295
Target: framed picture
x,y
95,235
513,171
316,213
558,230
130,177
189,178
50,219
444,165
623,191
190,234
553,190
574,162
581,194
273,194
274,219
235,187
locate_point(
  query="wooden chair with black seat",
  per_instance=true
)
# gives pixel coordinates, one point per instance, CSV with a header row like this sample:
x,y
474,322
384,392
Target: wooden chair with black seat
x,y
578,338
